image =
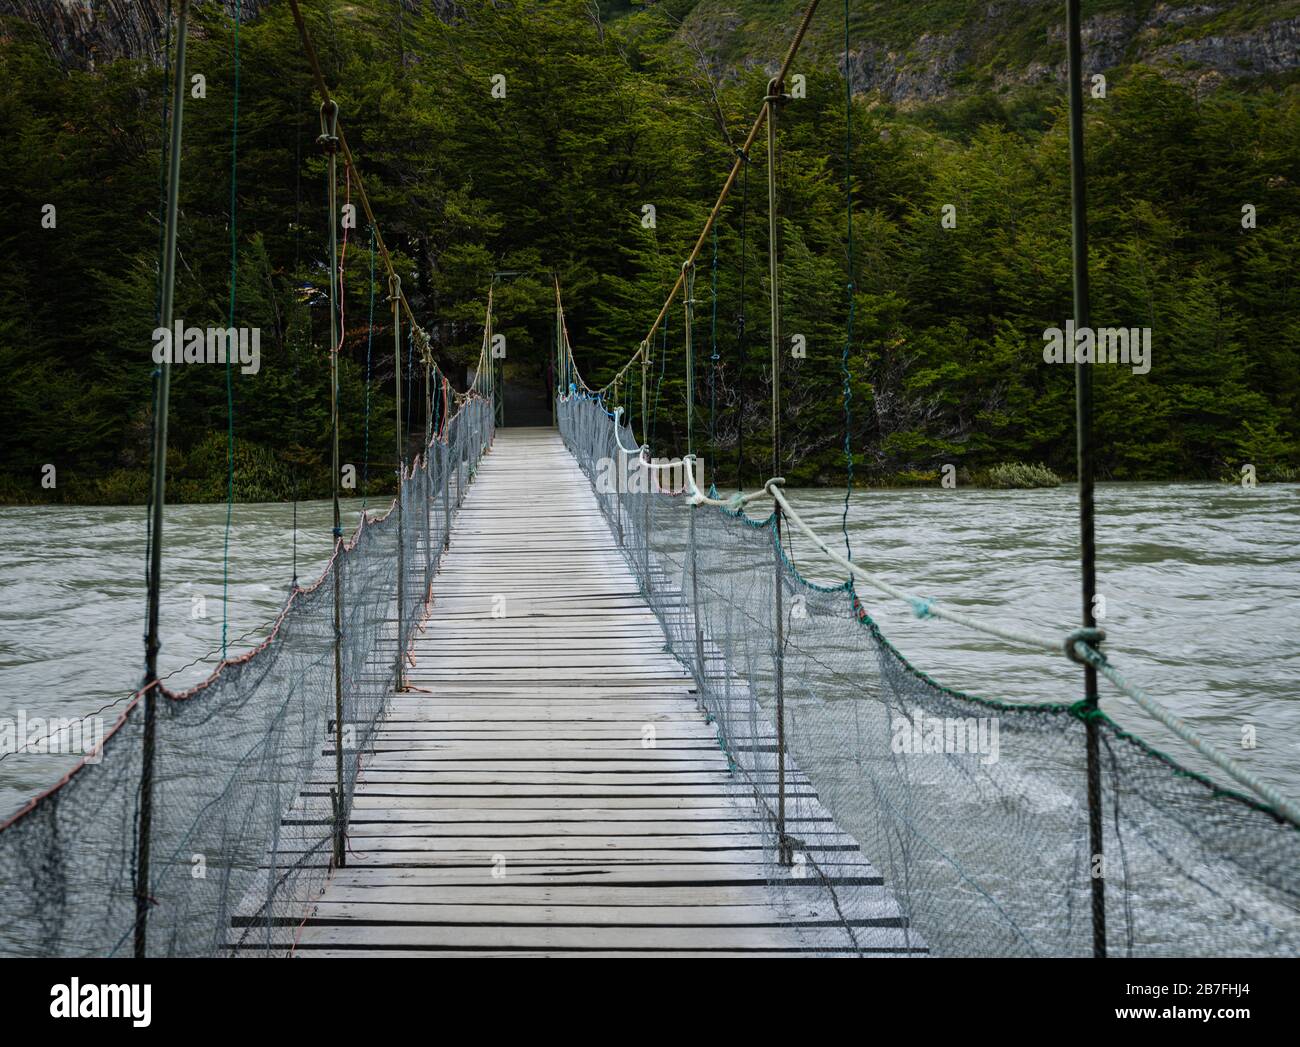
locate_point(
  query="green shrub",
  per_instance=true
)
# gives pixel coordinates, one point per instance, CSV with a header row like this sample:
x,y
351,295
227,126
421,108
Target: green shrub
x,y
122,487
259,475
1018,475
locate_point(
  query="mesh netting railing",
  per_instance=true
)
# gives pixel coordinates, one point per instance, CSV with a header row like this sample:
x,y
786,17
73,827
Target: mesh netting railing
x,y
244,765
966,818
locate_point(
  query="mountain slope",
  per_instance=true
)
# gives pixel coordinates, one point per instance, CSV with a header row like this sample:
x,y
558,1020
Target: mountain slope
x,y
928,50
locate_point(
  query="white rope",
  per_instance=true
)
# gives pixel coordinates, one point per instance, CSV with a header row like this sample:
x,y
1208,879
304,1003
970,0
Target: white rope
x,y
921,607
687,463
1071,644
618,439
1187,733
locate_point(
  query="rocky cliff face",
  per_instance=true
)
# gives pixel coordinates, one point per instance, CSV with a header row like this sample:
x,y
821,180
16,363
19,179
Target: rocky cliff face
x,y
89,32
84,33
1006,43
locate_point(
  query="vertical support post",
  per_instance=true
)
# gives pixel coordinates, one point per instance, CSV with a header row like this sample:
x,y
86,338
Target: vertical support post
x,y
329,141
395,296
785,853
428,467
1083,441
158,496
688,305
561,366
645,396
647,480
620,477
445,451
688,310
773,225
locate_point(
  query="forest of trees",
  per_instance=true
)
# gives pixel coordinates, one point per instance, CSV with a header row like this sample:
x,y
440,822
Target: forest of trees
x,y
946,359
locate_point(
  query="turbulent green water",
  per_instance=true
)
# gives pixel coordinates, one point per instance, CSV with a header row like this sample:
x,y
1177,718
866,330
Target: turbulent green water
x,y
1202,587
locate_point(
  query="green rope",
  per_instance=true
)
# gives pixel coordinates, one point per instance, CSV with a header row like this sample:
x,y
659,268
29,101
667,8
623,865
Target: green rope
x,y
848,336
230,382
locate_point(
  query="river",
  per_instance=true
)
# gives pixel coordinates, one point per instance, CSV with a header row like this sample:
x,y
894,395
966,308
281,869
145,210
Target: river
x,y
1201,582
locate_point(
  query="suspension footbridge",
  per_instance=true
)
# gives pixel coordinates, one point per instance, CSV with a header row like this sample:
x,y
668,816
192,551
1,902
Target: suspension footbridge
x,y
560,699
548,782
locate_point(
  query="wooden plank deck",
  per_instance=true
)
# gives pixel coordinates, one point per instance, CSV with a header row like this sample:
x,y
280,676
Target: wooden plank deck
x,y
513,802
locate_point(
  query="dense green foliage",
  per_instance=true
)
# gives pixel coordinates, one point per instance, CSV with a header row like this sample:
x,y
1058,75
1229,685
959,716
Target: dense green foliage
x,y
946,360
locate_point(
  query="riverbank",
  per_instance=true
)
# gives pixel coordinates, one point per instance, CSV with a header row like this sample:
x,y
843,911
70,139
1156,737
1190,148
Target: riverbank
x,y
257,485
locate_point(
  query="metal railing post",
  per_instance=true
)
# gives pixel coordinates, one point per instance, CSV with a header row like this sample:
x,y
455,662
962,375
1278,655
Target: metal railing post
x,y
395,296
1083,420
647,493
428,475
688,306
620,482
157,496
444,451
785,854
645,402
329,141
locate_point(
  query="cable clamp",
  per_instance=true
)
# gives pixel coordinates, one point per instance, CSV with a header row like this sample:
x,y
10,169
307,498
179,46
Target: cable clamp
x,y
328,139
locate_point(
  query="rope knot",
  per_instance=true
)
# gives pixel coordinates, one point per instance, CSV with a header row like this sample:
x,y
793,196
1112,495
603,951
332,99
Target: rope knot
x,y
1085,710
921,607
1090,638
